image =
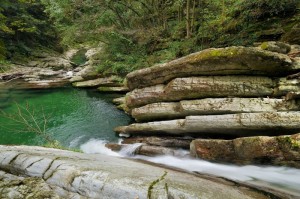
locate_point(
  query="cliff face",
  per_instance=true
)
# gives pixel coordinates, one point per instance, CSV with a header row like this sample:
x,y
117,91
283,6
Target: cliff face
x,y
223,93
38,172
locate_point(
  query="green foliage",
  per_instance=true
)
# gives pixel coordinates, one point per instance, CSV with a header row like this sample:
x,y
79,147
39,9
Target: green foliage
x,y
79,58
140,33
23,26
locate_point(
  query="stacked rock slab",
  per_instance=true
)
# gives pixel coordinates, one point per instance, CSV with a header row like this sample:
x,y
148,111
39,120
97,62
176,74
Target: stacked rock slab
x,y
227,92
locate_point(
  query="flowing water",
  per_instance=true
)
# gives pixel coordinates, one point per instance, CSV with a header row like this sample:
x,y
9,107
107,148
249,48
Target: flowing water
x,y
284,179
85,119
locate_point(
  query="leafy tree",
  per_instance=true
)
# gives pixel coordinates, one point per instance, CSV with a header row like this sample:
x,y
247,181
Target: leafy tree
x,y
23,26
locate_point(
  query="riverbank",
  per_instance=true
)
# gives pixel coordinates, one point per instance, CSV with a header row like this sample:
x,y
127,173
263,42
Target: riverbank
x,y
110,177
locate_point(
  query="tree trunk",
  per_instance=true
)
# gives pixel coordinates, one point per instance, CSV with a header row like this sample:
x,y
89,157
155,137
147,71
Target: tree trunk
x,y
188,20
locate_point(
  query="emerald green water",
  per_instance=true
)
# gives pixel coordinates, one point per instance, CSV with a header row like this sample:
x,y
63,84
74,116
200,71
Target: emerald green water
x,y
75,116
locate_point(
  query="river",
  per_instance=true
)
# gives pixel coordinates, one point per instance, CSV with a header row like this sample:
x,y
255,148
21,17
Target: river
x,y
85,119
74,116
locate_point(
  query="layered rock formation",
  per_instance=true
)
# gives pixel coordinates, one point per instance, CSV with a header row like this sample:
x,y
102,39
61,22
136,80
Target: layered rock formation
x,y
226,92
65,174
281,150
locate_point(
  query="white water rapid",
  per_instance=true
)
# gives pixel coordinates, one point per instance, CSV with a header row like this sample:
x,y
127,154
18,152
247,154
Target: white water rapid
x,y
283,179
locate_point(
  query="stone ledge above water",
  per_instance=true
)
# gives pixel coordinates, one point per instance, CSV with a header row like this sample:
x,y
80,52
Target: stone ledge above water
x,y
242,124
202,87
100,176
281,150
211,106
214,61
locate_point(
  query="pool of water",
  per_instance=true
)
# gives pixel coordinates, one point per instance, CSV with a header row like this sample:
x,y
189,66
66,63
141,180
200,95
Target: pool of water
x,y
74,116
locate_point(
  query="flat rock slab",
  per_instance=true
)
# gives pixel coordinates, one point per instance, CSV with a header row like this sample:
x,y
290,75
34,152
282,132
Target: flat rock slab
x,y
114,89
281,150
242,124
202,87
106,81
100,176
214,61
286,86
211,106
143,149
172,142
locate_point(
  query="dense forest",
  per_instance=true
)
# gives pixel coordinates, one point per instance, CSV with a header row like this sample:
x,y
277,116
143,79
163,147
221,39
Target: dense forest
x,y
140,33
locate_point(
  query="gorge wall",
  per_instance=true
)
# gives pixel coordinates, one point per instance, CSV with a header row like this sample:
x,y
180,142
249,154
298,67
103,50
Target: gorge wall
x,y
223,93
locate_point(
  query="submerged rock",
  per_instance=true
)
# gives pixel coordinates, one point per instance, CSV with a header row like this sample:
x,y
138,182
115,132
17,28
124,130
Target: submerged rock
x,y
214,61
202,87
211,106
242,124
100,176
281,150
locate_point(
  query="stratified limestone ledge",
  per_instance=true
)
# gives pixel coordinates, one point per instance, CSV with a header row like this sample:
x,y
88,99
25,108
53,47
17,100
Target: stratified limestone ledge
x,y
281,150
242,124
211,106
100,176
202,87
214,61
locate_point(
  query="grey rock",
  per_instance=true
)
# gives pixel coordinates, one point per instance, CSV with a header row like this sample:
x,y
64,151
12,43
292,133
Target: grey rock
x,y
242,124
215,61
106,81
172,142
100,176
119,101
281,150
276,46
114,89
211,106
202,87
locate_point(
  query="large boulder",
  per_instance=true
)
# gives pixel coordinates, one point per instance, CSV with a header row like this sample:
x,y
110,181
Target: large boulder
x,y
281,150
214,61
211,106
100,176
242,124
202,87
89,72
